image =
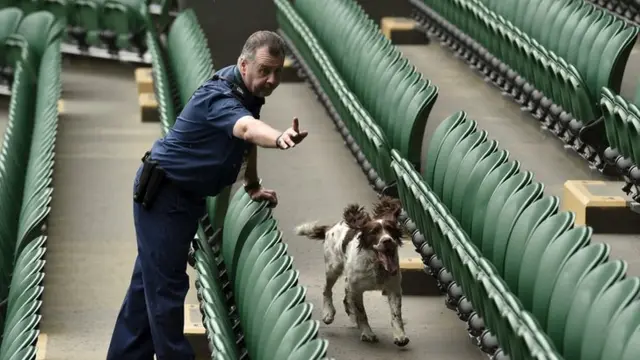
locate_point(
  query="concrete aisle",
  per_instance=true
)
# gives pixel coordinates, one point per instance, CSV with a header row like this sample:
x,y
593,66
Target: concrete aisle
x,y
91,246
314,182
517,131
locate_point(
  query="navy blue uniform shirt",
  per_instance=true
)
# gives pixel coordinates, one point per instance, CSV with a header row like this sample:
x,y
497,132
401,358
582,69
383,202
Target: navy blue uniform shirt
x,y
199,153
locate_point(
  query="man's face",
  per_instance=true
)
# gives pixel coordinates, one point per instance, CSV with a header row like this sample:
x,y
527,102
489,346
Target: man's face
x,y
262,74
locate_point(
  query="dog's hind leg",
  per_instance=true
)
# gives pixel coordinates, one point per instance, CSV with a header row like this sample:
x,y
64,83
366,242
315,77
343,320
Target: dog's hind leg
x,y
394,296
332,274
356,303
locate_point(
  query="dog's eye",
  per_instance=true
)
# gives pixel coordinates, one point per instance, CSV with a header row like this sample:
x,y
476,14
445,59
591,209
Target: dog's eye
x,y
394,232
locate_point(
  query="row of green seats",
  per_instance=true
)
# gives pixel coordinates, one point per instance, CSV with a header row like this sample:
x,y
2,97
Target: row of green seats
x,y
26,170
551,56
112,24
161,82
252,303
392,91
628,9
591,39
188,54
622,121
65,8
517,269
226,303
179,66
364,137
28,6
24,38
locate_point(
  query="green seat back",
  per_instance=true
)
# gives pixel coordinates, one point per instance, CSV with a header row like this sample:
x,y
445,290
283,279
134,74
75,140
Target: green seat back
x,y
566,284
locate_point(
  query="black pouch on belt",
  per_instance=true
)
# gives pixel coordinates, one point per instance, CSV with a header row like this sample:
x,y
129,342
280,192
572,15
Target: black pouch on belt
x,y
153,187
151,178
147,168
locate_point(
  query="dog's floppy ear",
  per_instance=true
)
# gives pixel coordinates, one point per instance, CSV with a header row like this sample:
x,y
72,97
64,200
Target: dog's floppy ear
x,y
388,208
356,217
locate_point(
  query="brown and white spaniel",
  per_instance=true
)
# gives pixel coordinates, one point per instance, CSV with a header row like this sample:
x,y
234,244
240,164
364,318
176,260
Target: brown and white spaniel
x,y
365,248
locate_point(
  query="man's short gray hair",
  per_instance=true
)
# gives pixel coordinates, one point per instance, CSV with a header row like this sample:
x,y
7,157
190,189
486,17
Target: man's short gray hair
x,y
274,43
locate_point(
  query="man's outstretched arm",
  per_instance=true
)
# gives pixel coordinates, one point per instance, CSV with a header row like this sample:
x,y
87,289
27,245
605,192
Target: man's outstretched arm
x,y
263,135
256,132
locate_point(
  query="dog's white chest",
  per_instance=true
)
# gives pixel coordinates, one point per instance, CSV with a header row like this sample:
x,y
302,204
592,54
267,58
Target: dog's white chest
x,y
365,273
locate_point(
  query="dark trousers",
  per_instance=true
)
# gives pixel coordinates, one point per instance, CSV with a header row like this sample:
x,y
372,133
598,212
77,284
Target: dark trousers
x,y
151,320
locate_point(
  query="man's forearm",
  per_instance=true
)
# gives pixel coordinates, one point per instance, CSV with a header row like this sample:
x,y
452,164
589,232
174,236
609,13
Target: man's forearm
x,y
251,171
262,135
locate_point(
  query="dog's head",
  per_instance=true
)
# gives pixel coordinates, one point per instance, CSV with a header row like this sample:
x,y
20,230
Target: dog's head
x,y
380,232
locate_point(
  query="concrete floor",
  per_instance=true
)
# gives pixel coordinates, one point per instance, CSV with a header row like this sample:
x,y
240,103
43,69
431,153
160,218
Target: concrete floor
x,y
92,246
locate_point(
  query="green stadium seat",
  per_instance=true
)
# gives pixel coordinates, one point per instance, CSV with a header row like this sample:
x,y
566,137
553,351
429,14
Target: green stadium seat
x,y
621,332
123,24
84,21
188,55
565,285
32,50
59,8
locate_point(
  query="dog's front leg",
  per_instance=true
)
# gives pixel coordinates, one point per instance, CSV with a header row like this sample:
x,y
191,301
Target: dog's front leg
x,y
394,296
329,311
356,304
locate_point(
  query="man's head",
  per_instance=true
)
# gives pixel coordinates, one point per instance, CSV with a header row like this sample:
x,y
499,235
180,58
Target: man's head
x,y
261,62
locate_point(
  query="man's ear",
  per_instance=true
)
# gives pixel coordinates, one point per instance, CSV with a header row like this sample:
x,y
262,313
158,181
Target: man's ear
x,y
243,66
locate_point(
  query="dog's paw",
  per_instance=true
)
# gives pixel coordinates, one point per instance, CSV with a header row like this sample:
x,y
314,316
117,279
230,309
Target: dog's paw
x,y
328,312
327,318
353,320
369,337
401,340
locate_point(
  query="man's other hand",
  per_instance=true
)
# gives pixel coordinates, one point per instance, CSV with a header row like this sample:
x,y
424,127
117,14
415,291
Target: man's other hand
x,y
261,194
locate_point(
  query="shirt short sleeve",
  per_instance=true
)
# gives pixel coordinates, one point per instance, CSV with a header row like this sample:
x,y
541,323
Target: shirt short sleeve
x,y
225,111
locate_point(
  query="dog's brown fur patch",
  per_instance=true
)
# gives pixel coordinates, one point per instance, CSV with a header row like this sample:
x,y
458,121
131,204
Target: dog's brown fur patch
x,y
355,216
351,234
387,208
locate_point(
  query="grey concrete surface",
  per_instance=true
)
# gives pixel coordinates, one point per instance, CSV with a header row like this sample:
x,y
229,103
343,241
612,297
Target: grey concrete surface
x,y
537,150
91,247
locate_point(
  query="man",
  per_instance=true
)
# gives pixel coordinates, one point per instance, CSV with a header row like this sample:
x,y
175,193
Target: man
x,y
200,156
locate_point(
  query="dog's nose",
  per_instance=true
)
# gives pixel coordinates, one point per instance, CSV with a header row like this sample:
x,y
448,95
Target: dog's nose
x,y
387,242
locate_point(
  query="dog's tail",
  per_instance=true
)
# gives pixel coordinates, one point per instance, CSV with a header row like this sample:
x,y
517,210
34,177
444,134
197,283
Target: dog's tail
x,y
312,230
